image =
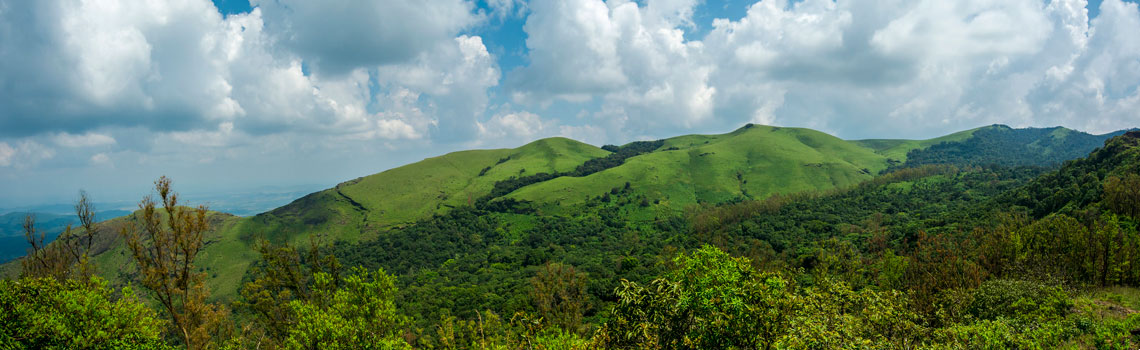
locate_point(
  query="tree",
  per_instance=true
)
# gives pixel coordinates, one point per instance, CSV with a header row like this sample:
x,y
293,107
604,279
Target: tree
x,y
279,278
67,256
559,293
1122,195
710,300
165,252
46,313
360,314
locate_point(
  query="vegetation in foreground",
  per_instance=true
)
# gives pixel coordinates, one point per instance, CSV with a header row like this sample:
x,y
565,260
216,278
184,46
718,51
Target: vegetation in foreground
x,y
923,257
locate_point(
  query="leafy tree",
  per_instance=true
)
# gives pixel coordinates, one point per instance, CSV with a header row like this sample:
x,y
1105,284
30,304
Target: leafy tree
x,y
47,313
559,293
165,253
360,314
1018,299
710,300
281,276
1122,195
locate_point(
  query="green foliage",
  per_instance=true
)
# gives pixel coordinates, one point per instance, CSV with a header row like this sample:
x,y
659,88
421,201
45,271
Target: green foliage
x,y
1011,147
710,300
559,293
833,316
1018,299
714,301
1122,195
278,279
358,312
45,313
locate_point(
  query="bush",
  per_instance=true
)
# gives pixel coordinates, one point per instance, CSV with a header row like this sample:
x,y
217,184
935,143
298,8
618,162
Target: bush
x,y
1015,299
44,313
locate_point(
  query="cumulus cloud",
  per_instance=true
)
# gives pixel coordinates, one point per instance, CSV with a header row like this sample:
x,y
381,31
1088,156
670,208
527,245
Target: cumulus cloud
x,y
89,139
24,154
858,68
100,159
447,87
634,59
507,8
179,66
515,125
6,154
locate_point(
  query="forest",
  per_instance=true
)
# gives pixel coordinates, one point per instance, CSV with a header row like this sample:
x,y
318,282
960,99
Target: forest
x,y
954,249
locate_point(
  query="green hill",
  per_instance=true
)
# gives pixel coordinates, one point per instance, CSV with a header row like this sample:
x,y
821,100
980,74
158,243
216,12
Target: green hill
x,y
415,191
897,149
751,162
1006,146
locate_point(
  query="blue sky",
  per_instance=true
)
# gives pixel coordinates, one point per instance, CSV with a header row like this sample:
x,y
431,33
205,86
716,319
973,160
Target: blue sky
x,y
232,94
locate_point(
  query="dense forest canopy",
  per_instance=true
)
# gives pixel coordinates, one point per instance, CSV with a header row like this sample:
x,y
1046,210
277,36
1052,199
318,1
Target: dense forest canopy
x,y
955,248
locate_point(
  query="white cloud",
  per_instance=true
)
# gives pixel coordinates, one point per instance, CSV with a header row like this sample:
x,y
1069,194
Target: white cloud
x,y
573,50
590,134
6,154
507,8
449,85
395,129
516,126
221,137
89,139
635,59
861,68
100,159
24,154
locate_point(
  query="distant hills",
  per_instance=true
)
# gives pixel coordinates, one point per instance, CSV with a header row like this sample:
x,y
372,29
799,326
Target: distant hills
x,y
13,244
559,176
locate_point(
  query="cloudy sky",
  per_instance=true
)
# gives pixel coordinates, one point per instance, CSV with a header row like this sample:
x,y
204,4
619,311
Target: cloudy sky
x,y
107,95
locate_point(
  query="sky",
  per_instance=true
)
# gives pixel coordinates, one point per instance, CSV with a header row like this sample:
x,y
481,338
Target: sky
x,y
109,95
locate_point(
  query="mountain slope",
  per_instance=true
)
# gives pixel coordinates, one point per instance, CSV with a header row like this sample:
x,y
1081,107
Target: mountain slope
x,y
415,191
751,162
1003,145
897,149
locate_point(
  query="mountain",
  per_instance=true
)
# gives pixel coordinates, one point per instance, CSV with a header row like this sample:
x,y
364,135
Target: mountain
x,y
752,162
416,191
648,181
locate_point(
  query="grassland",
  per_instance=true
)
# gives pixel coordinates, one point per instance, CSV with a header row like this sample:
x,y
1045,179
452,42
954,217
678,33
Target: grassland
x,y
751,162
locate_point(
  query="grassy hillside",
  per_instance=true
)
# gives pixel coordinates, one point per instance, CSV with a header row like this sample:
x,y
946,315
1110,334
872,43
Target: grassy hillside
x,y
415,191
751,162
897,149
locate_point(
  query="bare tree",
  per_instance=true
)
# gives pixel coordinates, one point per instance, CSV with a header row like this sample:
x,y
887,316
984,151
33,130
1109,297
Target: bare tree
x,y
165,250
66,257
